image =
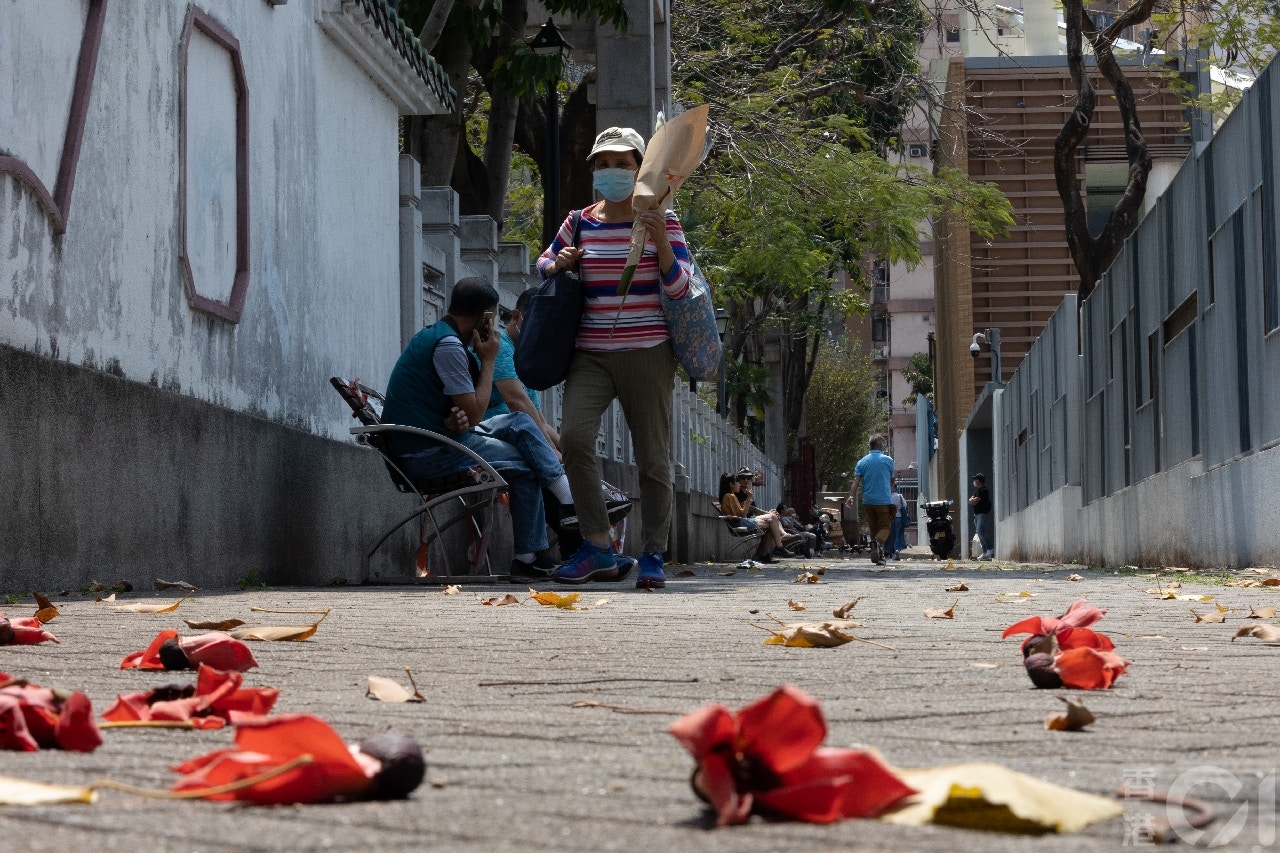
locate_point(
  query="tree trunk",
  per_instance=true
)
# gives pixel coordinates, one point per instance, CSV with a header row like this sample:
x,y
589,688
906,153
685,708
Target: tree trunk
x,y
434,140
435,23
1093,255
503,111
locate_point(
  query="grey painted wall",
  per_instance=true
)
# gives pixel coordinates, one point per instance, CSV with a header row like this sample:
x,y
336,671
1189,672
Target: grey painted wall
x,y
1148,433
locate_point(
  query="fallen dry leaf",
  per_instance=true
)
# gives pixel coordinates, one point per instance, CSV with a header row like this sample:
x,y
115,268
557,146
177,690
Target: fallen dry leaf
x,y
1074,719
1023,594
1266,633
795,605
163,585
144,607
842,612
568,601
214,624
1194,648
501,602
957,587
806,577
991,797
1261,613
754,610
729,573
812,635
1244,584
20,792
45,611
601,602
1075,577
279,633
686,573
1208,617
452,590
1258,571
978,665
935,613
387,690
1271,582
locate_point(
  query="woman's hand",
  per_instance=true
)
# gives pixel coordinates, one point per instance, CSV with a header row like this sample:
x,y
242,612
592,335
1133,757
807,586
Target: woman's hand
x,y
655,222
565,260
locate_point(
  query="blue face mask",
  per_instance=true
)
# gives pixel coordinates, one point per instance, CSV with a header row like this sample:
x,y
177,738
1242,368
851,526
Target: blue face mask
x,y
614,184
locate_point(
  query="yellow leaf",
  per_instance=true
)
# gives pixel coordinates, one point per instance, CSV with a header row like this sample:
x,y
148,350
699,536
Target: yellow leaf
x,y
806,577
387,690
20,792
991,797
1074,719
144,607
214,624
45,611
278,633
568,601
935,613
795,605
452,590
812,635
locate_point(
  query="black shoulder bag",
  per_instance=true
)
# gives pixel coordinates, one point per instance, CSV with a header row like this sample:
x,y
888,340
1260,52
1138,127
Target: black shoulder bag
x,y
550,328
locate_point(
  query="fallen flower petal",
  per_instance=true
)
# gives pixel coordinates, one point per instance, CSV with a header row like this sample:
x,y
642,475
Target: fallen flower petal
x,y
169,651
20,792
34,717
208,704
23,631
766,757
1089,669
383,766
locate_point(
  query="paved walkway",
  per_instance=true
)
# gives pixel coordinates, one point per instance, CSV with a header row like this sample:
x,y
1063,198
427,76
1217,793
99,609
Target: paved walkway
x,y
514,765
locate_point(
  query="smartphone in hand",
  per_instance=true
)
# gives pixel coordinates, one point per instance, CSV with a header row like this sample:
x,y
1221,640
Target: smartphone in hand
x,y
486,325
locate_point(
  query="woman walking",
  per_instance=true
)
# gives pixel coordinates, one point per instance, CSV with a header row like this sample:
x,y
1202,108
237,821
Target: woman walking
x,y
623,355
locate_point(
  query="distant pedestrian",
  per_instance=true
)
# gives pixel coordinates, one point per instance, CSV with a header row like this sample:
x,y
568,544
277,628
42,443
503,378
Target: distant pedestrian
x,y
898,532
873,476
980,500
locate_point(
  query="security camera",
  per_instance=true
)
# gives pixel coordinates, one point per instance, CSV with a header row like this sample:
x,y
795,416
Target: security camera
x,y
974,349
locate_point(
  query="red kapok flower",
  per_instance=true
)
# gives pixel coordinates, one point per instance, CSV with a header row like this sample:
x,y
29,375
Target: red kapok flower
x,y
1063,652
766,758
23,631
215,649
33,717
383,766
208,704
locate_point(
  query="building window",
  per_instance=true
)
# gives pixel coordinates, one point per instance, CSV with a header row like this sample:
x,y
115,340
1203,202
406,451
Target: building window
x,y
953,35
879,329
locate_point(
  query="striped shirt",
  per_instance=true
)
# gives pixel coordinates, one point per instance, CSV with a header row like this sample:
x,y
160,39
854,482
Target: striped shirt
x,y
606,244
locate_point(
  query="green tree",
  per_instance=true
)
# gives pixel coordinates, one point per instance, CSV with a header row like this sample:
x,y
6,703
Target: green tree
x,y
480,45
797,196
919,372
841,411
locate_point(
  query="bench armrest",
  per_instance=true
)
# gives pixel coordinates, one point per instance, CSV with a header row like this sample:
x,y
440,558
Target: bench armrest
x,y
377,429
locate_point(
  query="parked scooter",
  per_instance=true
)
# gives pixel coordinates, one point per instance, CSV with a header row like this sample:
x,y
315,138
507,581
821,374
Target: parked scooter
x,y
942,536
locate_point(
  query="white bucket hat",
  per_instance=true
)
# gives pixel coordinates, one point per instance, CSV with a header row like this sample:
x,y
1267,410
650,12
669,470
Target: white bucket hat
x,y
617,139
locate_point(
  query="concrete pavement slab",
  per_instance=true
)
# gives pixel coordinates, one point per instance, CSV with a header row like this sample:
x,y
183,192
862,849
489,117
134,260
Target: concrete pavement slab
x,y
514,765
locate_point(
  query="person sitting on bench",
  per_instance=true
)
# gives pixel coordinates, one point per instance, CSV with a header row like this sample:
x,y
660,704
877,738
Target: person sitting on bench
x,y
737,500
437,372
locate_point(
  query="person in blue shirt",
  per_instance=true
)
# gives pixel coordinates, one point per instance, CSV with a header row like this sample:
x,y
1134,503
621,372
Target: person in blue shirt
x,y
436,373
873,476
512,394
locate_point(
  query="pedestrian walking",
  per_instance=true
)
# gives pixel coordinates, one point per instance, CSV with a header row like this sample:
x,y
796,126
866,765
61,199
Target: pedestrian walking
x,y
873,477
980,500
619,355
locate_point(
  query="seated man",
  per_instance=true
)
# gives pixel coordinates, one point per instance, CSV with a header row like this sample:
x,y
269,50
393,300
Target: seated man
x,y
512,395
437,372
790,519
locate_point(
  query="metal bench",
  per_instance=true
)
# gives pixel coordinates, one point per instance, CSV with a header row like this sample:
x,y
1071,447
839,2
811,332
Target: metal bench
x,y
469,495
740,534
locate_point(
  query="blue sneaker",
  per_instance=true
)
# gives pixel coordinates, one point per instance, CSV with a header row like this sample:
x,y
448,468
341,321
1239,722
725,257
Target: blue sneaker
x,y
651,575
589,563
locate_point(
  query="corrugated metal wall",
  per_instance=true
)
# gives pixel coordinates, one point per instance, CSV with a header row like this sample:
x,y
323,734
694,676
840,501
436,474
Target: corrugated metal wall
x,y
1178,346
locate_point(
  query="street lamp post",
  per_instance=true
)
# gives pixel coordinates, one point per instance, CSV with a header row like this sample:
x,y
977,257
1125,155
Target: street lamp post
x,y
722,401
549,42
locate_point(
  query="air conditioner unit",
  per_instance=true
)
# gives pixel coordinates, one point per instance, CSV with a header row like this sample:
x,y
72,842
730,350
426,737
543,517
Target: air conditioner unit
x,y
917,150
